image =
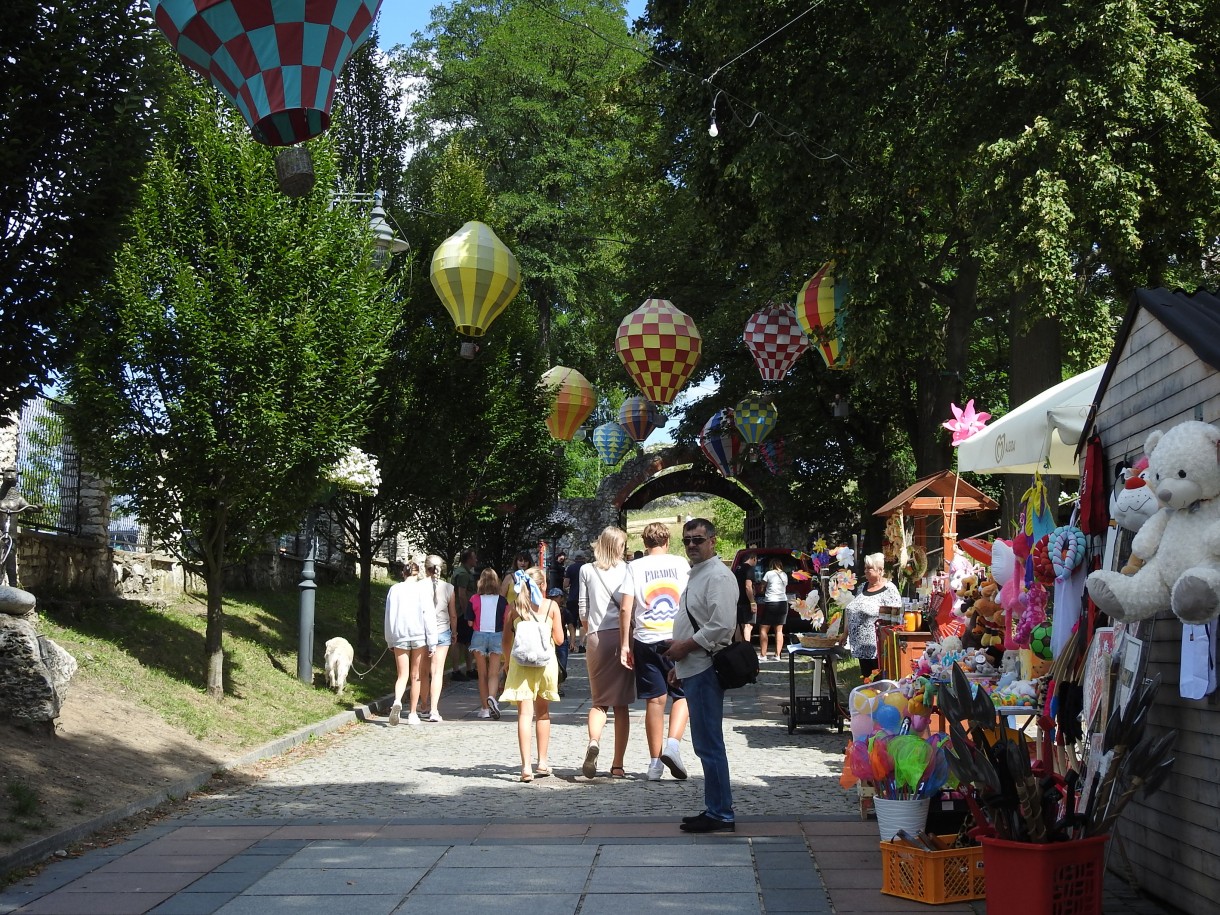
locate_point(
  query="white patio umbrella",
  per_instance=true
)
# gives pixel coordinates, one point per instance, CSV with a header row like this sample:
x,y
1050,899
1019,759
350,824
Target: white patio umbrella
x,y
1041,434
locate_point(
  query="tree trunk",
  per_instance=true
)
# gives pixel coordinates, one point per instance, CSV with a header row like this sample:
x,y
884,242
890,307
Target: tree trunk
x,y
364,612
1036,363
214,638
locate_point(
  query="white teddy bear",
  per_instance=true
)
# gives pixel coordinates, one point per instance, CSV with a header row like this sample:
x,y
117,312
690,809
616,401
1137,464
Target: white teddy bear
x,y
1181,542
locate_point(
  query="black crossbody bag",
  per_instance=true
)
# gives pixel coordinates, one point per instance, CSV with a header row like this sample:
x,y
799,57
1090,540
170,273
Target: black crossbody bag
x,y
736,664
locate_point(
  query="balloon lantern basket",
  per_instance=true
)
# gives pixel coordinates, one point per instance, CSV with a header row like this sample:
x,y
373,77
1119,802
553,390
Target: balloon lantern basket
x,y
1058,878
294,171
933,877
895,814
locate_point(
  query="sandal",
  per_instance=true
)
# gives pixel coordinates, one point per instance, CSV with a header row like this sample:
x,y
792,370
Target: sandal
x,y
527,776
542,771
618,772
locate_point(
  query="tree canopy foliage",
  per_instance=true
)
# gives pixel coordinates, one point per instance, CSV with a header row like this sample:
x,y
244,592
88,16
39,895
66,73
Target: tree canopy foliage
x,y
81,84
234,346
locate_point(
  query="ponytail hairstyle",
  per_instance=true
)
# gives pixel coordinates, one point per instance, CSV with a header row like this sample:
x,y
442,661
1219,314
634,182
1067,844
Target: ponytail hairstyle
x,y
433,566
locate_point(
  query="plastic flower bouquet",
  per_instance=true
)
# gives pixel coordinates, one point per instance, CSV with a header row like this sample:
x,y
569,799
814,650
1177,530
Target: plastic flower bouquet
x,y
891,750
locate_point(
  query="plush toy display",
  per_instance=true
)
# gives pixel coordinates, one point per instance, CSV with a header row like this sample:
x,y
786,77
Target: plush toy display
x,y
1133,502
1180,544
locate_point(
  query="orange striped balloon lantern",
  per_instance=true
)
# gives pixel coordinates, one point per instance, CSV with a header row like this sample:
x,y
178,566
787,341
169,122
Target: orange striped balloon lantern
x,y
476,276
639,416
660,347
572,400
820,310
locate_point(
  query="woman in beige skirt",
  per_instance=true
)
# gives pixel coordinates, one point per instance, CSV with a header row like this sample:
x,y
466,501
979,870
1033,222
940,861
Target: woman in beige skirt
x,y
611,685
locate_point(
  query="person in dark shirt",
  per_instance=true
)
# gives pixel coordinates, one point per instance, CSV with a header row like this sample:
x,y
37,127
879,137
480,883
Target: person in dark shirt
x,y
747,591
571,616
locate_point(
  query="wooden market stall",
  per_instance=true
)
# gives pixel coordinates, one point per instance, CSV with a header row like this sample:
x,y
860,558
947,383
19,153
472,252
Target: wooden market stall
x,y
942,495
1165,369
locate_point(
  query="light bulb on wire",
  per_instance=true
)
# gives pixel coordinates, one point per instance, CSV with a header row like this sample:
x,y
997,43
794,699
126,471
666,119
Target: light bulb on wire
x,y
713,131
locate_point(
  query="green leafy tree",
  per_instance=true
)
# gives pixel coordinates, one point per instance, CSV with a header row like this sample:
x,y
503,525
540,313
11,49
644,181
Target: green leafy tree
x,y
77,75
243,330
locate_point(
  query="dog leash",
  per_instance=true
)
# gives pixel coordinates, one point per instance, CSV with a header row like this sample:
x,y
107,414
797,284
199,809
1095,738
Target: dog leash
x,y
372,668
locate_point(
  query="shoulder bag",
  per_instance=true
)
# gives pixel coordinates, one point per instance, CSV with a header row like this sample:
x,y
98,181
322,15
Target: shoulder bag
x,y
532,642
736,664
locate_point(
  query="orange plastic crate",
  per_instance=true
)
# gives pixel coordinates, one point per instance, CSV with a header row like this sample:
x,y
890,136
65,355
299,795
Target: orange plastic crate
x,y
932,876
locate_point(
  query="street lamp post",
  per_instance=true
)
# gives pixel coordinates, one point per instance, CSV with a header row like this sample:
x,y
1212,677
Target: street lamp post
x,y
308,586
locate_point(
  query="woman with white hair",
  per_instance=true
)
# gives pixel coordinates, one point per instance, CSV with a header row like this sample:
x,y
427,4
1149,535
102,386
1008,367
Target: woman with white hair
x,y
611,685
437,595
876,592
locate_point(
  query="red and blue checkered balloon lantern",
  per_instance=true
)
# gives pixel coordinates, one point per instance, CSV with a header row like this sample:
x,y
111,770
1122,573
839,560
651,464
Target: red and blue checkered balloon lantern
x,y
639,416
612,442
755,418
775,339
720,443
276,60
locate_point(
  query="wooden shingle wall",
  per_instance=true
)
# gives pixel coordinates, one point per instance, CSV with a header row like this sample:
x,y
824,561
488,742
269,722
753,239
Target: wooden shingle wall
x,y
1173,839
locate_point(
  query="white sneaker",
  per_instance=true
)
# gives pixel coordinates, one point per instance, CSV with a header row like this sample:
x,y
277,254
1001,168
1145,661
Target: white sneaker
x,y
413,718
395,713
435,716
656,769
483,713
671,756
493,708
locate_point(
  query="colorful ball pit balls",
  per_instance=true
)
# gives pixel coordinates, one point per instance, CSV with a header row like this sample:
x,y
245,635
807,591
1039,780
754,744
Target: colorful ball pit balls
x,y
1040,641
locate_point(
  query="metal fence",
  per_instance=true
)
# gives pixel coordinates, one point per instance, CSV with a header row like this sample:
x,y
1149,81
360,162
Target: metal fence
x,y
48,468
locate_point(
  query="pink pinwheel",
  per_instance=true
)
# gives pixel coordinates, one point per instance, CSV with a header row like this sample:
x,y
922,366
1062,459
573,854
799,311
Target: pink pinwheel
x,y
965,421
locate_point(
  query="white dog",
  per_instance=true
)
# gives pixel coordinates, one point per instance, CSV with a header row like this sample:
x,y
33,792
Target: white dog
x,y
338,661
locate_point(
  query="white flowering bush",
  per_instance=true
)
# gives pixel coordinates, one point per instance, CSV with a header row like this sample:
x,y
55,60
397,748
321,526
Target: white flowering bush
x,y
355,472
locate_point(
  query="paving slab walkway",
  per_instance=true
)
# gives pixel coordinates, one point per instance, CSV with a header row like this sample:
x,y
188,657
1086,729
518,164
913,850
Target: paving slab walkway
x,y
432,817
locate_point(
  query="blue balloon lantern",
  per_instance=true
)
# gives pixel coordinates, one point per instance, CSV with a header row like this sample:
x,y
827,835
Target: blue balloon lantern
x,y
720,443
612,442
755,418
639,416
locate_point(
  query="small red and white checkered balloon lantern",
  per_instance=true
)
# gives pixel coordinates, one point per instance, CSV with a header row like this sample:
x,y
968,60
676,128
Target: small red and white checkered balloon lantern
x,y
775,339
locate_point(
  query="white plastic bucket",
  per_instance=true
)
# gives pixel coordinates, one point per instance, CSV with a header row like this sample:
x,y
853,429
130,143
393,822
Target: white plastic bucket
x,y
893,815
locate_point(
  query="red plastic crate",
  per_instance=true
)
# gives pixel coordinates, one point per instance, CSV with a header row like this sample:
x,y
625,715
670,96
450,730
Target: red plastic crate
x,y
932,876
1057,878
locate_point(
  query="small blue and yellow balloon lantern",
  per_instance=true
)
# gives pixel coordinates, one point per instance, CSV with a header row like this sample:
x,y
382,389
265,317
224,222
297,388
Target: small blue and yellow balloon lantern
x,y
755,418
612,442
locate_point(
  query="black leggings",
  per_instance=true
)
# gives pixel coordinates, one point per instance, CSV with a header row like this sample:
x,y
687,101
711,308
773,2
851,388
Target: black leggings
x,y
867,666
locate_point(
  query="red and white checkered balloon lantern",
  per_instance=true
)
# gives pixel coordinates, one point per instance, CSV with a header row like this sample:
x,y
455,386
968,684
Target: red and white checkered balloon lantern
x,y
775,340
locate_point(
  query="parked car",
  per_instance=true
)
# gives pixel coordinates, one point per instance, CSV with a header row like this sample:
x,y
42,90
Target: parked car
x,y
797,588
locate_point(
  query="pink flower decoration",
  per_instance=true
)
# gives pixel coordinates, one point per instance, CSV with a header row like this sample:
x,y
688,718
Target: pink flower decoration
x,y
965,421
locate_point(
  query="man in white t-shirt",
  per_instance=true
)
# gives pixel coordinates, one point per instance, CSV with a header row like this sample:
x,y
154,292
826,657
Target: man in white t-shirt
x,y
648,599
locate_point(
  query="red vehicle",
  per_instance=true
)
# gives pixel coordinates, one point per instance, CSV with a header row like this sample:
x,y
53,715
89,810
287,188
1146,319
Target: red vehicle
x,y
797,587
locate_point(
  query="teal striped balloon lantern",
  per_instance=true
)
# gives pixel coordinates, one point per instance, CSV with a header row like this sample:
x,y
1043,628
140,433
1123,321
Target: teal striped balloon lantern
x,y
612,442
755,418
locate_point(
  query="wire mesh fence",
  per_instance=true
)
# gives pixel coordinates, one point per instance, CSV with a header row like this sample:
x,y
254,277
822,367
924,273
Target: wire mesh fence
x,y
48,468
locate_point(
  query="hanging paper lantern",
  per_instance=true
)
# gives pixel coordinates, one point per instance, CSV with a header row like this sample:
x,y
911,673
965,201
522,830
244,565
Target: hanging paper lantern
x,y
755,419
612,442
639,416
775,340
572,401
476,277
660,347
819,309
276,61
719,443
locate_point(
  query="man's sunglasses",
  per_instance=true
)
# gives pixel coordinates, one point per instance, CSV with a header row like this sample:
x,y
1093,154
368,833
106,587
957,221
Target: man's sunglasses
x,y
693,541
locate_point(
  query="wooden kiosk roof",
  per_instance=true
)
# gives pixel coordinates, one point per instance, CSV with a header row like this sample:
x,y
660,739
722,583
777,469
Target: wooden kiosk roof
x,y
939,493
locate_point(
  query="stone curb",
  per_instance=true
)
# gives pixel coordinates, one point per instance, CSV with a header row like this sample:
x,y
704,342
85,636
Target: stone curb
x,y
45,847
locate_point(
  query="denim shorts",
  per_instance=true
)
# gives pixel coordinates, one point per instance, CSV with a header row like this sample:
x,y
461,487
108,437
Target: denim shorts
x,y
651,670
486,643
409,644
444,639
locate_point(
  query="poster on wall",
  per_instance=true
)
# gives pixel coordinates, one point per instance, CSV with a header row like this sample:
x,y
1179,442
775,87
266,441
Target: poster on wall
x,y
1096,684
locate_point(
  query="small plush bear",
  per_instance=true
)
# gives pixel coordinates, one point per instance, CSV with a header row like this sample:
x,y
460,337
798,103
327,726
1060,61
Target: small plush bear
x,y
1180,544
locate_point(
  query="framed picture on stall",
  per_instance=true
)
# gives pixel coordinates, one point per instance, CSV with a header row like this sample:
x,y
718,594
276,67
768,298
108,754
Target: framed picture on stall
x,y
1096,683
1130,670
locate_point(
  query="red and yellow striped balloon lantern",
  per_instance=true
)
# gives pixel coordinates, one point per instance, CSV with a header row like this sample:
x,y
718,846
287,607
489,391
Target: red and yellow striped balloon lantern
x,y
820,311
660,347
572,401
476,276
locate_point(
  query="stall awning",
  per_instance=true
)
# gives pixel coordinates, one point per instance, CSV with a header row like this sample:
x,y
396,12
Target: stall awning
x,y
1041,434
938,494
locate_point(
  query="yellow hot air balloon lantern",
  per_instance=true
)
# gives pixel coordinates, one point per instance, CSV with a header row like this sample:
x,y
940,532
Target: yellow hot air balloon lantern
x,y
476,276
660,347
572,400
819,308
